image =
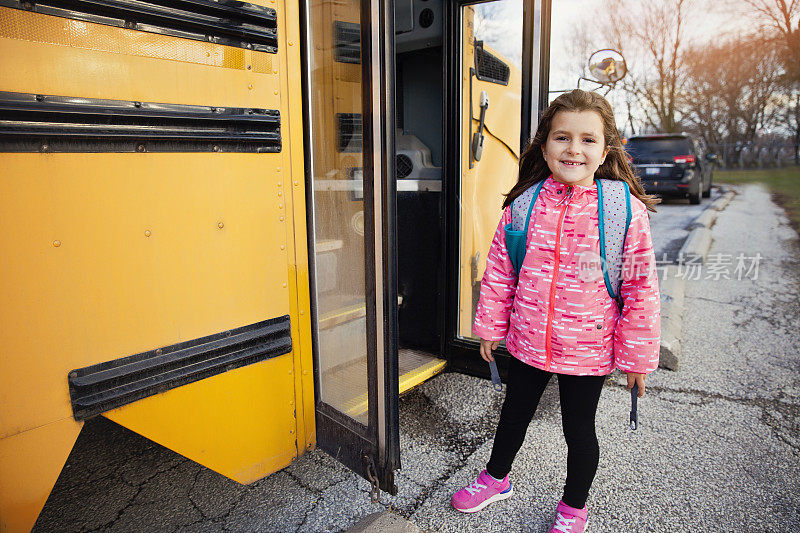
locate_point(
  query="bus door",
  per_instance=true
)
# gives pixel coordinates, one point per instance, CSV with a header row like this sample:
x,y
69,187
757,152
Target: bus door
x,y
500,87
349,106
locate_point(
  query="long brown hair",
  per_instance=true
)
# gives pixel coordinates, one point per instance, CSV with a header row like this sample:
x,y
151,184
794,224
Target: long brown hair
x,y
533,168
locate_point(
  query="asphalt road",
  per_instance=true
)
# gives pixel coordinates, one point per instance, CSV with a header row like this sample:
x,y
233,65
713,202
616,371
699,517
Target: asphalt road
x,y
718,448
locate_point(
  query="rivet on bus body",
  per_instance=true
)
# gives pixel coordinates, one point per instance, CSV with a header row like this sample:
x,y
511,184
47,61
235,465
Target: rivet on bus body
x,y
284,285
301,312
147,233
250,86
279,184
277,169
249,67
281,218
283,247
56,243
279,193
276,92
280,206
220,225
295,184
208,54
291,43
274,71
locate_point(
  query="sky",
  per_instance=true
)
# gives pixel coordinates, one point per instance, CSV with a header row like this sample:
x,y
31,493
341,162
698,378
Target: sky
x,y
567,21
710,21
499,24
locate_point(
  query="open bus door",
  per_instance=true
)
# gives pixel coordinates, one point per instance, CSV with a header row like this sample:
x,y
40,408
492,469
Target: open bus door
x,y
349,100
499,90
401,211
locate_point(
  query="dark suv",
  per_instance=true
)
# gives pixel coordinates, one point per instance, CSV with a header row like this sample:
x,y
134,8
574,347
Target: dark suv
x,y
671,164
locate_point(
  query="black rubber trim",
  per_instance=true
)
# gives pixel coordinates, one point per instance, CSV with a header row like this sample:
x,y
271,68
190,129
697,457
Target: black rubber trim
x,y
39,123
98,388
226,22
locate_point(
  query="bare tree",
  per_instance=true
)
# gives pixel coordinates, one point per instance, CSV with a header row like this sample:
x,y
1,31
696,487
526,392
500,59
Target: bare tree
x,y
782,19
733,92
653,35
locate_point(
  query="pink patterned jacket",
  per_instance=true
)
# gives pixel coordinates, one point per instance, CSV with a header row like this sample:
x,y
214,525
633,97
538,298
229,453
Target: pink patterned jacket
x,y
558,317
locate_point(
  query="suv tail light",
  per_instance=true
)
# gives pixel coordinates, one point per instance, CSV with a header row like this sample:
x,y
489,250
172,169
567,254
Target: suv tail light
x,y
683,158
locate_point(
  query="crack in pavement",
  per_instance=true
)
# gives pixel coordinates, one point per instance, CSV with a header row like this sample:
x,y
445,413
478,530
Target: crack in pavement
x,y
138,486
687,297
203,517
224,517
789,411
315,492
483,429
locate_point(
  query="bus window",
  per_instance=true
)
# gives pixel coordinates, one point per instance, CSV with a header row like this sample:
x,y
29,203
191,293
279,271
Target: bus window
x,y
491,63
338,207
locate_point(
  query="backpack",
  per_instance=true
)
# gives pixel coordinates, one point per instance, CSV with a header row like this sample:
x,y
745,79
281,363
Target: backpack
x,y
614,212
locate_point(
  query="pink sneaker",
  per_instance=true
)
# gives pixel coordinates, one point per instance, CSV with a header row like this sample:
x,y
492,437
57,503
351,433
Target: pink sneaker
x,y
569,519
481,493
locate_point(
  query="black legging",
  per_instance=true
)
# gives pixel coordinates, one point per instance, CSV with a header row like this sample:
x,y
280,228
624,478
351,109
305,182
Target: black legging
x,y
579,396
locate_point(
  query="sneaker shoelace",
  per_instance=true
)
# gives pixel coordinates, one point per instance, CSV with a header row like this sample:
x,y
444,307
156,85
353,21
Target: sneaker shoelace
x,y
475,488
563,523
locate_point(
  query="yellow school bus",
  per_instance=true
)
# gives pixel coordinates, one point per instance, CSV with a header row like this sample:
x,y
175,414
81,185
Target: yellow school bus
x,y
240,229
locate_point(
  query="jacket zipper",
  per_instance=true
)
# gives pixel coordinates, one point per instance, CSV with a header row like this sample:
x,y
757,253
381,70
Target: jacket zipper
x,y
552,302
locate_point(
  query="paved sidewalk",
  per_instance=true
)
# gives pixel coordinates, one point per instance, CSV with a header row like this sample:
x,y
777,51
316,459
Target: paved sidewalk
x,y
718,448
718,444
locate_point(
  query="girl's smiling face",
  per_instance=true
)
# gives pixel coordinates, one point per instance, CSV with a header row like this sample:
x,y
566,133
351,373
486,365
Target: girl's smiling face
x,y
575,147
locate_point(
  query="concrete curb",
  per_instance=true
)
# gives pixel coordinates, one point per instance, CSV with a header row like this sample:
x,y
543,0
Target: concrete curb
x,y
706,218
672,287
672,291
383,522
722,202
696,246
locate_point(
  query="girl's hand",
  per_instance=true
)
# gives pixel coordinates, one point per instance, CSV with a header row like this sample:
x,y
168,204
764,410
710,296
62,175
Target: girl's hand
x,y
486,349
633,378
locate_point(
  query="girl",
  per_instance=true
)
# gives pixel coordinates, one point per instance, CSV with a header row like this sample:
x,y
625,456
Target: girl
x,y
555,319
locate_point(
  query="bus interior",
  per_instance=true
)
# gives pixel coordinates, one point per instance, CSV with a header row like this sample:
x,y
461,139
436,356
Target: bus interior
x,y
478,179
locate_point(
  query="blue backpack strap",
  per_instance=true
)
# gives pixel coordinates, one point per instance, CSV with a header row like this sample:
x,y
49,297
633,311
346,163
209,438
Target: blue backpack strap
x,y
517,231
614,218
